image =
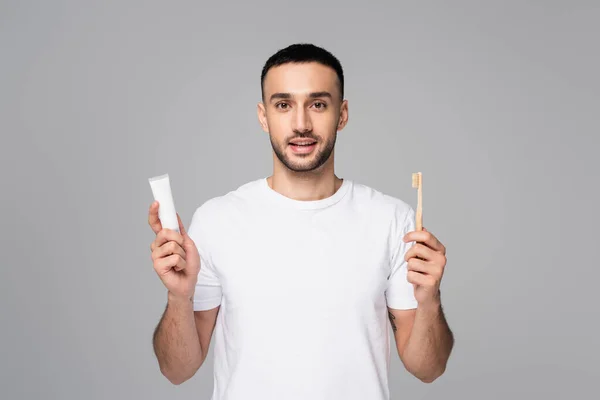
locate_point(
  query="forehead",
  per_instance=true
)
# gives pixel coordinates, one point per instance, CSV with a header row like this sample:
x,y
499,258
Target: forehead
x,y
301,78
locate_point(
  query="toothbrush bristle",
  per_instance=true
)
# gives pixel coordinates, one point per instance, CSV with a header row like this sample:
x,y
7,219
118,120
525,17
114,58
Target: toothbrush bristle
x,y
416,180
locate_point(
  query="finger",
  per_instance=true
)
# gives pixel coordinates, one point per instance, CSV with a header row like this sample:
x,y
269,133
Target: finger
x,y
167,249
417,278
421,251
167,235
180,264
181,227
426,238
420,266
153,219
164,265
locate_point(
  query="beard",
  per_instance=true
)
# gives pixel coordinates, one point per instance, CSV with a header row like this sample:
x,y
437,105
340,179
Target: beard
x,y
304,163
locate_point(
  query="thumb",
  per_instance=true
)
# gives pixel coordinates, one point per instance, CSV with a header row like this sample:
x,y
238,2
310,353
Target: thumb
x,y
181,227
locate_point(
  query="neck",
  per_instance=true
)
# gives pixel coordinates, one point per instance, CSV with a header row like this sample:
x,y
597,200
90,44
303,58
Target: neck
x,y
305,186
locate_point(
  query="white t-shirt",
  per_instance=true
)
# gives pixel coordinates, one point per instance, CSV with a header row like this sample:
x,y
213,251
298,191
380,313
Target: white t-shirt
x,y
303,288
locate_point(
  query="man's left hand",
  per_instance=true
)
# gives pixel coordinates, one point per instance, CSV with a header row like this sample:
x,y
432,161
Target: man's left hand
x,y
426,262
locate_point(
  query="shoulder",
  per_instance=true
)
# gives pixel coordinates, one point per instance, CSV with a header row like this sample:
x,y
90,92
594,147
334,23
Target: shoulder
x,y
213,218
379,202
218,208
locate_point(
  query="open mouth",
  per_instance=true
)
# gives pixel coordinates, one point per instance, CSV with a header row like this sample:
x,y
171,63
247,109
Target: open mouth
x,y
303,147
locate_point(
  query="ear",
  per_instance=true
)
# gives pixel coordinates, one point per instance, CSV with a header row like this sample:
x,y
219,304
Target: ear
x,y
262,117
343,120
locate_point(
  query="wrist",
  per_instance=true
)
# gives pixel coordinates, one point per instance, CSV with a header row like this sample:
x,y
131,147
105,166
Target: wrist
x,y
179,299
432,304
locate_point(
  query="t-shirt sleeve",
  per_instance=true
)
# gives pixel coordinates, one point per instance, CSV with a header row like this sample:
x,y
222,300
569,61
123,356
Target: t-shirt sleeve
x,y
207,293
400,293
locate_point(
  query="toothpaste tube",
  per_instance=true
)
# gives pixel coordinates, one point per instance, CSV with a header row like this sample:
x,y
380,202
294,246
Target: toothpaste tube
x,y
161,190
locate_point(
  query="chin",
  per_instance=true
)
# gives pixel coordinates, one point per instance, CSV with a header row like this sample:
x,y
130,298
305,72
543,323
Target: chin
x,y
307,165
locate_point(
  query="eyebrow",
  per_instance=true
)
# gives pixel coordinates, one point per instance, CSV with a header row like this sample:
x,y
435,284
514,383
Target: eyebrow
x,y
312,95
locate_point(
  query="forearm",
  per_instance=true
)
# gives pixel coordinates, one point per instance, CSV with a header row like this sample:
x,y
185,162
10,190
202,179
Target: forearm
x,y
430,343
176,342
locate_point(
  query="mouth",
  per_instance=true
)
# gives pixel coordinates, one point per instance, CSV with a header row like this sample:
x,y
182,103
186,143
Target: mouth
x,y
303,146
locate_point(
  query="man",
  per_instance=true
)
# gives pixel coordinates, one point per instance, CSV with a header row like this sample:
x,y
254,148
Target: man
x,y
297,274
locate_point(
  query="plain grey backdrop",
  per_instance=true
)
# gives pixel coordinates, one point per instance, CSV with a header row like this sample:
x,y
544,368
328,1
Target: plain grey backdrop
x,y
497,103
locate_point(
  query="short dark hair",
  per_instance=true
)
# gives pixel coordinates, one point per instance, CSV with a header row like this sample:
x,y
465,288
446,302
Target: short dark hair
x,y
303,53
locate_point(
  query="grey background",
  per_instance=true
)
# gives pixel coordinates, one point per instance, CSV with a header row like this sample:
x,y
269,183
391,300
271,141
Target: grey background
x,y
495,102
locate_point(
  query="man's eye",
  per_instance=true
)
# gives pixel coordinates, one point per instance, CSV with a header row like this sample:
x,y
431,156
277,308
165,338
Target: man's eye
x,y
282,106
319,105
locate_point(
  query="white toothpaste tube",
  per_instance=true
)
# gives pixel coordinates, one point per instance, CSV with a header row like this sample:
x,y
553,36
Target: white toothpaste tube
x,y
161,189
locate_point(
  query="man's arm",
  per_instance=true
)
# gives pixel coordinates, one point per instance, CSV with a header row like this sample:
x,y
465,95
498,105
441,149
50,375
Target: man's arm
x,y
423,339
182,338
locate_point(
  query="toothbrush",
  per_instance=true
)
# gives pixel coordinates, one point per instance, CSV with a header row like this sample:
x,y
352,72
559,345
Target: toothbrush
x,y
417,183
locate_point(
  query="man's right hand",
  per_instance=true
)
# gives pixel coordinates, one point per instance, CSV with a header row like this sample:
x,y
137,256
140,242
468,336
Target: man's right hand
x,y
175,256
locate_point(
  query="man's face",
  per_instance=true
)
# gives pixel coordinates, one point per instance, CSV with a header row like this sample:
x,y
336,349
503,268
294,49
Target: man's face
x,y
302,112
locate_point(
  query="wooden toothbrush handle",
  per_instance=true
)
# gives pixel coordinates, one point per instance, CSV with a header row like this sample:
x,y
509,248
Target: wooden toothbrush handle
x,y
419,216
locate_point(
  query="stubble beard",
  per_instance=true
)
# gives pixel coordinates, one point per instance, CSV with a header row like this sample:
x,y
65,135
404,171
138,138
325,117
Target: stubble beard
x,y
306,163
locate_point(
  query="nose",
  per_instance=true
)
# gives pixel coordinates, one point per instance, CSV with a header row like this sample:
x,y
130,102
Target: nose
x,y
301,121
